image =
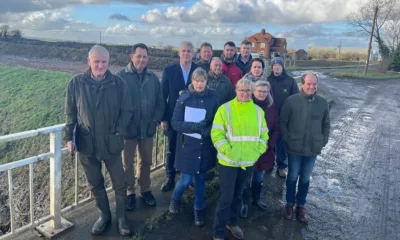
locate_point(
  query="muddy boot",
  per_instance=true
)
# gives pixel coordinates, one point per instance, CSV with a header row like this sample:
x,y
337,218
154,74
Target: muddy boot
x,y
256,193
174,206
288,211
105,214
199,217
244,211
301,214
123,226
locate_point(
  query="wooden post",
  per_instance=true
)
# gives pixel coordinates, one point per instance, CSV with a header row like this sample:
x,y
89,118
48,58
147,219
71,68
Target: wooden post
x,y
370,40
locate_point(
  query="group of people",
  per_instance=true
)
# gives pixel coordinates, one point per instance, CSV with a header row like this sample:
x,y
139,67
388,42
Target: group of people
x,y
221,112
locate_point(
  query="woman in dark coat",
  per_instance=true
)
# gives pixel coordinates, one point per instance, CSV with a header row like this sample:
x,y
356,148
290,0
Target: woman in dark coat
x,y
263,98
195,155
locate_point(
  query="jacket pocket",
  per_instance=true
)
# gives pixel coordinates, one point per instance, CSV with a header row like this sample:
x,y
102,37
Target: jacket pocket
x,y
295,143
151,129
84,143
317,144
115,144
132,130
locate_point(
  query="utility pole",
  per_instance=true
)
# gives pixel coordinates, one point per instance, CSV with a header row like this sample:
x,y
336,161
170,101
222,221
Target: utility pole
x,y
100,37
370,40
340,47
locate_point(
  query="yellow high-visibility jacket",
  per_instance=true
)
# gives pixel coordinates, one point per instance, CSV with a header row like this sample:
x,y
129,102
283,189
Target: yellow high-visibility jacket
x,y
239,133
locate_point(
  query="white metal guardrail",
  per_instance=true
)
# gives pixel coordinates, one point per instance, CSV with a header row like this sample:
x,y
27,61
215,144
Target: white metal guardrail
x,y
55,222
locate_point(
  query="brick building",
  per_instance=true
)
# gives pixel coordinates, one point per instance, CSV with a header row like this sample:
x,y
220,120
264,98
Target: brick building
x,y
267,45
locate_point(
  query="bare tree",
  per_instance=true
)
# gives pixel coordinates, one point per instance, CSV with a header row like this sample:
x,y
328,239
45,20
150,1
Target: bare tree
x,y
4,31
369,19
391,30
16,33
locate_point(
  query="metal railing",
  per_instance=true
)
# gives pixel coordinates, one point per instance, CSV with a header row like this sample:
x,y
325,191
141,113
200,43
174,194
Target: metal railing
x,y
54,156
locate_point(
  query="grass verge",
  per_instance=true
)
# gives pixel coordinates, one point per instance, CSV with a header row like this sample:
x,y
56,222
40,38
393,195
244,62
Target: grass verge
x,y
369,76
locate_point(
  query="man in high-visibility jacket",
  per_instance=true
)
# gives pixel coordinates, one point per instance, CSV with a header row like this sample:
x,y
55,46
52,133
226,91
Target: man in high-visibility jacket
x,y
240,135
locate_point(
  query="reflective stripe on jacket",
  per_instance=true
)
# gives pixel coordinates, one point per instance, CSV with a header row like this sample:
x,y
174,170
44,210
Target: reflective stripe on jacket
x,y
239,133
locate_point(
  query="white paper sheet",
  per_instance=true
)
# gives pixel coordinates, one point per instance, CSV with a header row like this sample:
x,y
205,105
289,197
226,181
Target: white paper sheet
x,y
194,115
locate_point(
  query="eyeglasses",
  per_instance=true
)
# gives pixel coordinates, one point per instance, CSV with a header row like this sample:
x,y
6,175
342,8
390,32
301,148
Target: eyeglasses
x,y
243,90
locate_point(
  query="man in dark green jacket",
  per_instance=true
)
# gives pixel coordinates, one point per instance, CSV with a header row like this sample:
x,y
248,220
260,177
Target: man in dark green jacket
x,y
98,110
219,82
148,107
305,126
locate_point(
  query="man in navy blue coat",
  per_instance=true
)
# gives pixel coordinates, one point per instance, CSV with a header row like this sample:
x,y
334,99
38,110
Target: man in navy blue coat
x,y
175,78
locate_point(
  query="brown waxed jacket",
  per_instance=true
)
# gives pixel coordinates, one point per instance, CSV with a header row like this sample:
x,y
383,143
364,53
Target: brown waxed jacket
x,y
101,111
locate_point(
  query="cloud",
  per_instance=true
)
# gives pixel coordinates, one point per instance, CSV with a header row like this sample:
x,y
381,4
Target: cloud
x,y
254,11
47,20
19,6
120,17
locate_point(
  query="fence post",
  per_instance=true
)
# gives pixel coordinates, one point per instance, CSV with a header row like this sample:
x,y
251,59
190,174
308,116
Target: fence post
x,y
55,180
57,224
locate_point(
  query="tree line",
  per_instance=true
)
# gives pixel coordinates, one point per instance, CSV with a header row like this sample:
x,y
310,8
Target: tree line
x,y
6,32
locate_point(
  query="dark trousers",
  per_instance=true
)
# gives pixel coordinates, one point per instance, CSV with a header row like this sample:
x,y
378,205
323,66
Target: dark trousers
x,y
92,168
281,154
169,165
232,181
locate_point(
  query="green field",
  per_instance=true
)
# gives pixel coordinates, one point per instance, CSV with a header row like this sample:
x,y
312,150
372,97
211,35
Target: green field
x,y
29,99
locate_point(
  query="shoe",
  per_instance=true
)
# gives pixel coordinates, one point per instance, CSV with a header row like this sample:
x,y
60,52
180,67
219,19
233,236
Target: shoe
x,y
245,202
120,212
167,185
148,198
199,218
105,214
301,214
215,238
174,206
236,231
256,193
131,202
288,212
282,173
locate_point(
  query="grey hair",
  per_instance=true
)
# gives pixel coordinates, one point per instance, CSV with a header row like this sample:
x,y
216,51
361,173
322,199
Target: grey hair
x,y
98,49
187,43
216,58
265,84
245,83
199,72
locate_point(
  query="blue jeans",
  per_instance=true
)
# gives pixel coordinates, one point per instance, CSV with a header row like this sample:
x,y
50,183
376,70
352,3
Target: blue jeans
x,y
298,166
281,154
184,182
257,177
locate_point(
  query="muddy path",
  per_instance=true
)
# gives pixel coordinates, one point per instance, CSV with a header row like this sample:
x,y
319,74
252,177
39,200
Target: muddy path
x,y
355,187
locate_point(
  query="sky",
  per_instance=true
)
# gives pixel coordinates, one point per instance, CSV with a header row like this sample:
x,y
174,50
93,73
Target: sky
x,y
303,23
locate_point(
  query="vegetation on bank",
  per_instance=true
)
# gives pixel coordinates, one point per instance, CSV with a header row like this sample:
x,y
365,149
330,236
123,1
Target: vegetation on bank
x,y
370,76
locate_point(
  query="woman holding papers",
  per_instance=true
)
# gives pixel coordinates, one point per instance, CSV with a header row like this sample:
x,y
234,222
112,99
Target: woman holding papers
x,y
240,135
195,153
263,98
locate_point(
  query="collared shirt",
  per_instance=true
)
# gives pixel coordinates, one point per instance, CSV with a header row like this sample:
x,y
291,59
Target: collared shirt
x,y
185,74
104,76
